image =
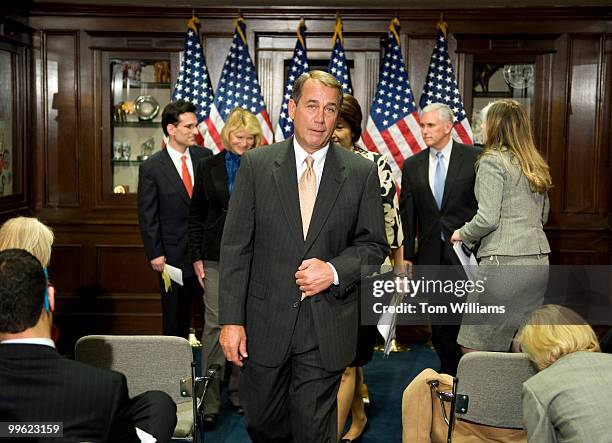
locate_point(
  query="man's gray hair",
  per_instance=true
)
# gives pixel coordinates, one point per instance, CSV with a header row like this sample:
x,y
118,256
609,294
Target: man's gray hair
x,y
444,112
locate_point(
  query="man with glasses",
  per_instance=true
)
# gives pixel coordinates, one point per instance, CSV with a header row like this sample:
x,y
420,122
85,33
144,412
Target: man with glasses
x,y
165,183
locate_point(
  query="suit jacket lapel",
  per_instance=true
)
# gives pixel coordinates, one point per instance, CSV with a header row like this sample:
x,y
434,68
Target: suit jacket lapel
x,y
334,175
455,165
218,173
285,176
424,178
169,170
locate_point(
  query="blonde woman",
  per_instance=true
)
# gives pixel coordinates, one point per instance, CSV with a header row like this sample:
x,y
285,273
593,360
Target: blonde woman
x,y
568,400
512,183
30,234
213,185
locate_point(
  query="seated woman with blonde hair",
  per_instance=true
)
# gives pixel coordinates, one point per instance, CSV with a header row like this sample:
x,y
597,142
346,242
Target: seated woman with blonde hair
x,y
569,399
30,234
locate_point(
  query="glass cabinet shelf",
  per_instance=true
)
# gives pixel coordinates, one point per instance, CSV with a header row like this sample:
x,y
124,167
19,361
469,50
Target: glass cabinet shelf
x,y
143,124
139,91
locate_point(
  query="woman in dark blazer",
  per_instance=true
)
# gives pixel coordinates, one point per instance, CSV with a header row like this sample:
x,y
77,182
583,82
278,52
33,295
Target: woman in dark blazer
x,y
512,183
213,185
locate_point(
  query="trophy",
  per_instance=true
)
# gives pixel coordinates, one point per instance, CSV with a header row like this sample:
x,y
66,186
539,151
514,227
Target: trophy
x,y
146,149
117,150
126,151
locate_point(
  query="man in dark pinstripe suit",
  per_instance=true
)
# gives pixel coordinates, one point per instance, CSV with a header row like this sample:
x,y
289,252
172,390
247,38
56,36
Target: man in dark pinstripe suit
x,y
39,385
288,289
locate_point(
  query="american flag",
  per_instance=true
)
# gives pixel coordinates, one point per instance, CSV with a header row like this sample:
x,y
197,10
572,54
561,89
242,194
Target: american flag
x,y
193,82
299,65
337,63
393,127
441,87
238,86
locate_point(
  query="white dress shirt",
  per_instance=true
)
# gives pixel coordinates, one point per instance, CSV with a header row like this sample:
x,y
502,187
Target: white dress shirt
x,y
175,156
29,341
319,161
318,164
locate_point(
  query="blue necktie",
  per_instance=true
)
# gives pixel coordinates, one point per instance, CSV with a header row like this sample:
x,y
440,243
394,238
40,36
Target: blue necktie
x,y
439,179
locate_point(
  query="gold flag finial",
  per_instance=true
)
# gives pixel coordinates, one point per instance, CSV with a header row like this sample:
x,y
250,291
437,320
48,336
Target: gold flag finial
x,y
394,29
338,30
301,25
237,24
442,26
194,22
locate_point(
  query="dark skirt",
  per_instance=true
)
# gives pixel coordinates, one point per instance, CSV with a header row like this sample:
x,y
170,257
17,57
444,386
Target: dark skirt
x,y
366,340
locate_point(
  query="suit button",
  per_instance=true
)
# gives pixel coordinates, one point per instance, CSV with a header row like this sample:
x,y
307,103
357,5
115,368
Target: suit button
x,y
296,304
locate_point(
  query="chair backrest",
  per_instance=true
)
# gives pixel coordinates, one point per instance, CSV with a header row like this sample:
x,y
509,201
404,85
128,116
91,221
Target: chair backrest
x,y
149,362
494,382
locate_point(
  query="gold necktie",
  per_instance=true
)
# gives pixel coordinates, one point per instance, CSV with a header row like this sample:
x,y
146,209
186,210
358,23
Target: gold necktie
x,y
307,188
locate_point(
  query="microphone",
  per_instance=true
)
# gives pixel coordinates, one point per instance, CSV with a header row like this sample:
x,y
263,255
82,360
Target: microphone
x,y
201,383
212,371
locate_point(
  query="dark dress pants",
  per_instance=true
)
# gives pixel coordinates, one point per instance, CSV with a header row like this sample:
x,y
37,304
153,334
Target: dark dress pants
x,y
296,401
155,413
176,306
444,336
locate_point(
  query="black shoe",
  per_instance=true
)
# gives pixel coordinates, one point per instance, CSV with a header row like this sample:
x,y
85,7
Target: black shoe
x,y
209,421
238,409
357,439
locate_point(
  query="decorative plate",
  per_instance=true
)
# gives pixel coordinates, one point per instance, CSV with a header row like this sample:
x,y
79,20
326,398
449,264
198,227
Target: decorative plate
x,y
146,107
519,76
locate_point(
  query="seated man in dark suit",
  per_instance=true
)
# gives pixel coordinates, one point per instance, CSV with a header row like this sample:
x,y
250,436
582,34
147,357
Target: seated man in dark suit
x,y
39,385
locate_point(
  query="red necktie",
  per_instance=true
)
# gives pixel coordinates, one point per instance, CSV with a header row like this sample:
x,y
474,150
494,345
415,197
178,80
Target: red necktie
x,y
186,175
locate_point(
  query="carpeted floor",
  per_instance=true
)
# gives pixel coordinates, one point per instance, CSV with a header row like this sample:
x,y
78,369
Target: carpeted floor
x,y
386,379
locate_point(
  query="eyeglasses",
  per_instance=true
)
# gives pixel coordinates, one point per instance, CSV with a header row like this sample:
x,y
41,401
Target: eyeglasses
x,y
189,127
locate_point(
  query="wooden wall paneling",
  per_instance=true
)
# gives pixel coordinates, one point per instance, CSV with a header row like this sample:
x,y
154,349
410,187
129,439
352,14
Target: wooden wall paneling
x,y
104,282
16,40
105,231
607,126
61,117
604,133
89,131
105,198
16,144
557,130
543,111
118,264
65,271
583,113
578,246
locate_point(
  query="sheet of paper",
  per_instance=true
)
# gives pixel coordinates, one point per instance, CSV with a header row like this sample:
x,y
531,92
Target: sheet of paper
x,y
174,273
386,323
468,261
144,436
